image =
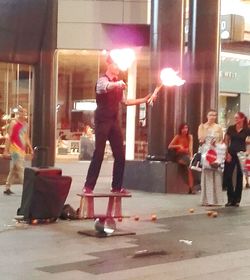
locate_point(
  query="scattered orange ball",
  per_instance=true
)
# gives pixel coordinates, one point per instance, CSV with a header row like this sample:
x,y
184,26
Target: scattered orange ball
x,y
215,214
120,219
136,218
191,210
153,217
34,222
209,213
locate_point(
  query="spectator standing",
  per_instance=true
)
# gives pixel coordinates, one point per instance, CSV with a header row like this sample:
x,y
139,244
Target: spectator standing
x,y
235,139
15,146
210,133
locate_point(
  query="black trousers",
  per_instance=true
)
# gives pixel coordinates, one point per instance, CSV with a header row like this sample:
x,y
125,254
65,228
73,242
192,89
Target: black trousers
x,y
233,193
107,130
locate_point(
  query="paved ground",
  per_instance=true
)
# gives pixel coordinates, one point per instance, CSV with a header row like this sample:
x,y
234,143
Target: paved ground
x,y
179,245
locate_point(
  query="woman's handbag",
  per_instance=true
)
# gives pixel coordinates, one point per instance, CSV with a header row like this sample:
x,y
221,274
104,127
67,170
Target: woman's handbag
x,y
214,157
244,160
195,163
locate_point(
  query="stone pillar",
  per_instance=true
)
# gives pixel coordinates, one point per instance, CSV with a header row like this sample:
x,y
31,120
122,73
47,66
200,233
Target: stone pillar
x,y
167,43
199,67
45,99
202,61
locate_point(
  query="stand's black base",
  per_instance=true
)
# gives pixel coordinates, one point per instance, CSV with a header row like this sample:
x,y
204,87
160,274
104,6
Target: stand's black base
x,y
155,176
97,234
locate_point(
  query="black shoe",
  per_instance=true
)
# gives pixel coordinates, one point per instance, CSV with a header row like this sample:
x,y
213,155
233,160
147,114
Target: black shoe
x,y
229,204
8,192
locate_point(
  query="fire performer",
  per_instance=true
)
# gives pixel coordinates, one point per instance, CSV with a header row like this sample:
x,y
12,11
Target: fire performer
x,y
109,94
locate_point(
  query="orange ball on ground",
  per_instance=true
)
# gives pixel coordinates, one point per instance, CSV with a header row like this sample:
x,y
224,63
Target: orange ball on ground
x,y
153,217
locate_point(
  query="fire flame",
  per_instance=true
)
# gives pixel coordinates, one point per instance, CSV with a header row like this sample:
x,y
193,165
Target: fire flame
x,y
170,78
123,57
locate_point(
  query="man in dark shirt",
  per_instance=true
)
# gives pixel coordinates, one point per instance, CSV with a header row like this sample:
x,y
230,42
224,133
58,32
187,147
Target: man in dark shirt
x,y
109,94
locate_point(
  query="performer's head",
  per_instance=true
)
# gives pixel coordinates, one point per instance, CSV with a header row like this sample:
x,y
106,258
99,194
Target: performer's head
x,y
112,67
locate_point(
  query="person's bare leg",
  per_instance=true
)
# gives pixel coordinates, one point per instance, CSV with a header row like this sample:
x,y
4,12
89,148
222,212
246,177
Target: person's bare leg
x,y
190,182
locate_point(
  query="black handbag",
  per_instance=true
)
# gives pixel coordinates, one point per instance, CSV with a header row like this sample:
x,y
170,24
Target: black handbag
x,y
195,163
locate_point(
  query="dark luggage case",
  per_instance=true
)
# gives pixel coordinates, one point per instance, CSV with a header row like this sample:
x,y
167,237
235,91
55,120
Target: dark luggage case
x,y
44,193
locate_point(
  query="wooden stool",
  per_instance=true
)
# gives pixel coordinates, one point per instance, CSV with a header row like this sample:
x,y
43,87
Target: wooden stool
x,y
113,210
114,207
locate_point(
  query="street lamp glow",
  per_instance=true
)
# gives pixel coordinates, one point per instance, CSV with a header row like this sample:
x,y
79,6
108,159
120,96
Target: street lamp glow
x,y
123,57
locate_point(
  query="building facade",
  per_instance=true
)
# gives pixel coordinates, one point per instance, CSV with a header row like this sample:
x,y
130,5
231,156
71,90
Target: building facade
x,y
51,65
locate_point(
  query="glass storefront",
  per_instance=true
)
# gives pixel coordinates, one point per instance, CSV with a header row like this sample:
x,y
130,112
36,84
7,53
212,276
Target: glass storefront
x,y
234,95
16,88
78,71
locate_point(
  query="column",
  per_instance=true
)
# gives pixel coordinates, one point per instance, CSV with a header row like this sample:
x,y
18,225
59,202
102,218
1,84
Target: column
x,y
202,61
45,99
167,44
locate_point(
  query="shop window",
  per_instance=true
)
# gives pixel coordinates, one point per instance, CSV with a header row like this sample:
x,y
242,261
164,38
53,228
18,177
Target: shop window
x,y
229,105
78,71
16,88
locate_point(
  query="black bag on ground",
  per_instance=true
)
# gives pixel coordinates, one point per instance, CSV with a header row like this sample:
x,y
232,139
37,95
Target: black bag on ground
x,y
68,213
43,196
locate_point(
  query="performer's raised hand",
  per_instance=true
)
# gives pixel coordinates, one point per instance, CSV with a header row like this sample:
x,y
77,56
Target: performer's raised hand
x,y
153,96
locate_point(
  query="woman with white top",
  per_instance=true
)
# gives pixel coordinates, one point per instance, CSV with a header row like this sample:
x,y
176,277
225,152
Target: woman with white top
x,y
210,134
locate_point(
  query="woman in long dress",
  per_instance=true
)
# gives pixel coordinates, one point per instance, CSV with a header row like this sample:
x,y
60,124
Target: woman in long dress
x,y
210,133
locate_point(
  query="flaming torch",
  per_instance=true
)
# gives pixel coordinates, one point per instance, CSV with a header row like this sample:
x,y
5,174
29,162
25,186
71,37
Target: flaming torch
x,y
169,78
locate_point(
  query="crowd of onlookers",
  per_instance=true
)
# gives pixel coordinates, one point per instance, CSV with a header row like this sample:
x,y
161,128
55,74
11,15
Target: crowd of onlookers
x,y
219,158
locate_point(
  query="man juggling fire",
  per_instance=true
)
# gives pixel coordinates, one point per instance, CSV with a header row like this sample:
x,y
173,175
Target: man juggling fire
x,y
109,94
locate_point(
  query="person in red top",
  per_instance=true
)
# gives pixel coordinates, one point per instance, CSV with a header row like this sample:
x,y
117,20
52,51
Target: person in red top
x,y
15,146
182,144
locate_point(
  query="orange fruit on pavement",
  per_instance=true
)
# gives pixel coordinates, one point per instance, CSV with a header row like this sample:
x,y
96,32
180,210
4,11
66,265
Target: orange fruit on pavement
x,y
209,213
120,219
215,214
153,217
34,222
136,218
191,210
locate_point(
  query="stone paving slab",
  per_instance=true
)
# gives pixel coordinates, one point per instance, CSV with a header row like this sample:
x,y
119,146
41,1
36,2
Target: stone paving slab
x,y
220,246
